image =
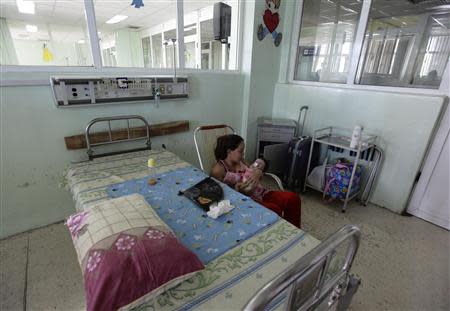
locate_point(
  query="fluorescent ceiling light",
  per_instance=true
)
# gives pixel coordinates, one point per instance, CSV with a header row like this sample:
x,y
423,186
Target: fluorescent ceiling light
x,y
439,7
348,9
189,28
116,19
26,7
31,28
443,26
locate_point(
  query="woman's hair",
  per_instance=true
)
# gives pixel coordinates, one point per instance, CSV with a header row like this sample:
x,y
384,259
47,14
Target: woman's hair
x,y
225,143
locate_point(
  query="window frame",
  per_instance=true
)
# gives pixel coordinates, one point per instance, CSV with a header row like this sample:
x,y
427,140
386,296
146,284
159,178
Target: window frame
x,y
444,88
99,68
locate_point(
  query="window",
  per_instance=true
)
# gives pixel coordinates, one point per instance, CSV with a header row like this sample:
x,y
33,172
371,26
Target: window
x,y
169,49
133,37
326,40
190,46
57,32
201,48
401,43
44,33
147,51
405,45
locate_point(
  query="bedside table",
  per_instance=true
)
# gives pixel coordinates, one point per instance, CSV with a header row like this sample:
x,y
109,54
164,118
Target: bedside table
x,y
273,131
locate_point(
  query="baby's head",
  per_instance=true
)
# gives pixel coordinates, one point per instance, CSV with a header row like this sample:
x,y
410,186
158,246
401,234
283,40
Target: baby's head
x,y
259,164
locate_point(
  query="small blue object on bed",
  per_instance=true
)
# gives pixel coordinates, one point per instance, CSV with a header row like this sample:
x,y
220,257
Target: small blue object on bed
x,y
206,237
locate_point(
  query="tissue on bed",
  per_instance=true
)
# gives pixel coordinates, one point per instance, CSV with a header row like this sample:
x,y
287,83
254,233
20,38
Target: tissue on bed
x,y
217,209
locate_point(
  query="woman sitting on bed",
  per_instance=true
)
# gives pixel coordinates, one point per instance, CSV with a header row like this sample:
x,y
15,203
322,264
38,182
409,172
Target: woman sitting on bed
x,y
230,168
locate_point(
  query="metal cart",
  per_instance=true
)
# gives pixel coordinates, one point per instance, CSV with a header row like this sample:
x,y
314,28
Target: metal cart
x,y
341,138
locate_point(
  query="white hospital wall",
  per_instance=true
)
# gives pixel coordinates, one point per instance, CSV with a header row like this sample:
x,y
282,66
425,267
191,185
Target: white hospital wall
x,y
34,163
33,152
129,48
260,65
404,122
31,53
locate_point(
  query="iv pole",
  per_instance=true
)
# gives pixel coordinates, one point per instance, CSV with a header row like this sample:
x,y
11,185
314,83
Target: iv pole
x,y
174,61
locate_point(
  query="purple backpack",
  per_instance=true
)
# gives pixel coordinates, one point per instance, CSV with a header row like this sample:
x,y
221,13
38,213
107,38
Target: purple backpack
x,y
337,180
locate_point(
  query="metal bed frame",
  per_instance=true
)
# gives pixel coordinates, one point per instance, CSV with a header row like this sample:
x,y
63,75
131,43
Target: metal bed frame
x,y
89,144
307,282
224,126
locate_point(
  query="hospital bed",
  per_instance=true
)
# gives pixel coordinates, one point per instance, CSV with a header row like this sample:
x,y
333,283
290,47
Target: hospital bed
x,y
279,267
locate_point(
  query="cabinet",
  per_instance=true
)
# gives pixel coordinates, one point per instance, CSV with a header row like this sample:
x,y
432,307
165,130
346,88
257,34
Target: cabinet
x,y
273,138
273,131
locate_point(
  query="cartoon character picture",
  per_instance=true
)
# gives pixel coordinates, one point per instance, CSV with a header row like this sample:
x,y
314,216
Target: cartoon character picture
x,y
271,20
137,3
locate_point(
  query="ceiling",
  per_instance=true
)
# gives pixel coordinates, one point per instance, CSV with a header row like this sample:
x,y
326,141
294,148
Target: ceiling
x,y
65,20
325,11
389,8
320,16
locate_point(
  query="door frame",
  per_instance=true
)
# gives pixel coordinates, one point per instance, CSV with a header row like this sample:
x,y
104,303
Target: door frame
x,y
429,165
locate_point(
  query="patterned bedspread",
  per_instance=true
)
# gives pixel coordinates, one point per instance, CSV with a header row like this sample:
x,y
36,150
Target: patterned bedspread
x,y
229,280
208,238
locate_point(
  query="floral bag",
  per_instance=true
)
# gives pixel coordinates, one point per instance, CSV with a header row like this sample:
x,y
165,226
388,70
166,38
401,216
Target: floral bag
x,y
337,180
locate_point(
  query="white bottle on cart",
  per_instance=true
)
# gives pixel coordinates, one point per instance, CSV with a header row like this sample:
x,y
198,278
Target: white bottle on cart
x,y
356,136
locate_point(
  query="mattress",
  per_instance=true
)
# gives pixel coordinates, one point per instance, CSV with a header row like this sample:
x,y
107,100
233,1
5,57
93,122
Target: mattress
x,y
229,280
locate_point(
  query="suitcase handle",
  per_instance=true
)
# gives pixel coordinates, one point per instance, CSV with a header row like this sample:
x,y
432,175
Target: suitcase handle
x,y
299,132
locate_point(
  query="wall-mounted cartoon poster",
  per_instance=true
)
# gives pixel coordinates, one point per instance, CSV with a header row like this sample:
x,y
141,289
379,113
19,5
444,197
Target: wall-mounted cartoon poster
x,y
137,3
271,20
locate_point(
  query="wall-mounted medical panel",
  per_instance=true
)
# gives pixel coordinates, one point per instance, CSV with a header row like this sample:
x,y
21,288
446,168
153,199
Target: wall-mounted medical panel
x,y
170,90
76,91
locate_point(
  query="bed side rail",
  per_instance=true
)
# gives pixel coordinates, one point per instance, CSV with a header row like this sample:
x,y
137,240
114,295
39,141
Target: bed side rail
x,y
307,278
108,120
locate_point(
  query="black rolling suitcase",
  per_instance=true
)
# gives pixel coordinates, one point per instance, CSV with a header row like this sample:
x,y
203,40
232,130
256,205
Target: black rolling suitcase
x,y
298,154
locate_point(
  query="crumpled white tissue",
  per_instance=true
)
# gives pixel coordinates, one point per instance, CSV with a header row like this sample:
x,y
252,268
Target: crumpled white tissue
x,y
217,209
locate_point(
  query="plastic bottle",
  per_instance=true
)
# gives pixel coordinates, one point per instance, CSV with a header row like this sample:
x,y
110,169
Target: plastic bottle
x,y
356,136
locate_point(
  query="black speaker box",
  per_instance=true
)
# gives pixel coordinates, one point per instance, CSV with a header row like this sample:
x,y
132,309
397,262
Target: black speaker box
x,y
222,21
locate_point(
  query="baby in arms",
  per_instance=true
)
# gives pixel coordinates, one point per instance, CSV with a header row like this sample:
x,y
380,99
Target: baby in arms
x,y
259,190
